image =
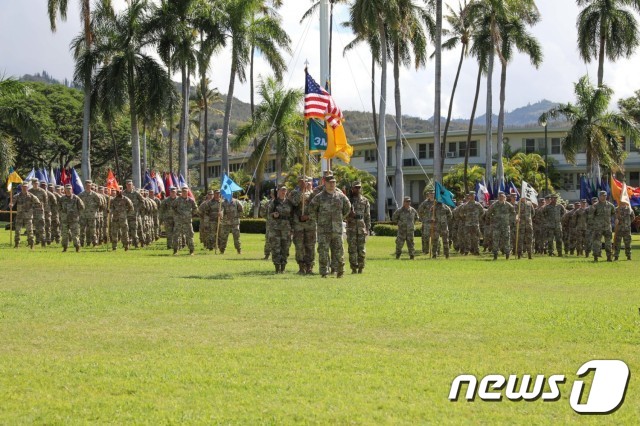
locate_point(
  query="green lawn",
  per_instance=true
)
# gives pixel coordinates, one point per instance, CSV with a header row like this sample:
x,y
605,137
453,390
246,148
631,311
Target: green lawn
x,y
145,337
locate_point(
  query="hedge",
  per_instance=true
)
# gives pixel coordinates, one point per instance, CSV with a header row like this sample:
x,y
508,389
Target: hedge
x,y
253,226
392,230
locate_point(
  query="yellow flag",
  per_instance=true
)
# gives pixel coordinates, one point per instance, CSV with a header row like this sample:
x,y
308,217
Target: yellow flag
x,y
337,145
13,178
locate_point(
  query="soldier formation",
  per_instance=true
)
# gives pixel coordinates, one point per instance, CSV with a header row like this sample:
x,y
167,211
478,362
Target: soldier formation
x,y
513,227
308,217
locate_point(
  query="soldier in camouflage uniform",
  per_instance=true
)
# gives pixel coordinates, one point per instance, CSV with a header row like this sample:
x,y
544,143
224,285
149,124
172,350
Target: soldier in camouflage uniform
x,y
55,213
205,220
567,229
456,229
328,208
539,236
39,214
184,209
264,206
487,243
405,217
580,227
624,218
121,208
155,216
512,199
443,216
425,211
471,214
71,207
231,214
100,213
166,215
525,214
358,226
212,211
26,204
603,213
106,193
133,219
589,233
51,204
501,214
88,218
553,213
281,212
304,227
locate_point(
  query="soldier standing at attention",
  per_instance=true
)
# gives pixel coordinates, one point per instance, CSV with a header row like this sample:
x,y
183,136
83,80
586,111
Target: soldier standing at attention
x,y
512,199
26,203
184,208
281,211
538,228
581,227
567,229
304,227
501,214
88,218
71,206
205,220
166,215
525,213
358,226
121,208
425,211
589,234
405,217
471,213
212,210
132,220
39,213
264,207
603,212
55,214
231,214
328,209
624,218
553,213
443,216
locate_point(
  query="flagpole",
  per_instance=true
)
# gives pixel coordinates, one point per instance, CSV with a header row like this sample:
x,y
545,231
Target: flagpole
x,y
10,214
518,227
304,163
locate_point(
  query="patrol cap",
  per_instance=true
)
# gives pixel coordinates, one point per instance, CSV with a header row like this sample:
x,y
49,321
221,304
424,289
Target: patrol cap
x,y
501,193
327,173
210,192
51,185
282,188
59,187
553,196
34,179
42,182
471,193
173,188
569,206
302,177
584,200
184,188
548,197
577,203
68,186
89,181
128,181
216,191
407,199
356,184
602,193
594,199
330,178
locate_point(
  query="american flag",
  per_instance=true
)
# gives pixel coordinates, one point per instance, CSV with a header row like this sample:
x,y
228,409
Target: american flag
x,y
318,103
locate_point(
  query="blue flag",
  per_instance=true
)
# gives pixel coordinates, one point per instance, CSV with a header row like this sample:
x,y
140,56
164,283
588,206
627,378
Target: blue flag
x,y
228,187
585,191
514,190
76,182
444,196
149,183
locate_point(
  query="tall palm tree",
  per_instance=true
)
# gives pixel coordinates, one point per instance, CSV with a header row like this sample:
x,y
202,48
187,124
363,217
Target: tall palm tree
x,y
408,39
368,16
607,28
266,34
130,75
594,129
278,126
57,8
437,143
480,52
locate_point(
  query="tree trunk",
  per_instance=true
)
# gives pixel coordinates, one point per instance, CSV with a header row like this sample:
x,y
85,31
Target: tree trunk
x,y
135,141
500,143
144,165
601,54
453,93
373,98
437,148
206,131
488,118
382,135
227,117
473,115
185,124
399,175
86,131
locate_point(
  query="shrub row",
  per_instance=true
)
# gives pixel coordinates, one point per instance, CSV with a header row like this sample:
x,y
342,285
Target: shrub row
x,y
392,230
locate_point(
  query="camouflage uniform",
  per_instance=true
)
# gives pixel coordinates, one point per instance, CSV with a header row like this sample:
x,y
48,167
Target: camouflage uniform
x,y
209,211
71,207
264,206
328,210
405,218
133,220
567,229
166,216
589,233
184,209
39,214
501,215
487,232
581,230
304,232
443,216
26,204
358,226
280,232
456,230
603,212
624,218
553,226
471,213
121,207
232,211
55,217
539,236
100,217
51,216
526,213
425,211
88,218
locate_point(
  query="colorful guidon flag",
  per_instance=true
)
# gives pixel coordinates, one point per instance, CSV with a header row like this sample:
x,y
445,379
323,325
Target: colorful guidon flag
x,y
318,103
13,178
529,193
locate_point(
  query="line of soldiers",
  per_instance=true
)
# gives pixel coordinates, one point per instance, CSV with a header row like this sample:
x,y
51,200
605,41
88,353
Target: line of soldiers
x,y
515,227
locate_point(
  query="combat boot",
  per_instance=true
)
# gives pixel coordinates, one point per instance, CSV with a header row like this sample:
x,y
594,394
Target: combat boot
x,y
340,274
277,268
282,266
77,249
16,245
354,271
310,269
628,257
397,255
266,257
608,257
411,257
615,258
595,258
495,256
126,247
113,248
301,269
31,247
507,256
362,267
64,249
44,244
175,252
191,253
530,255
239,251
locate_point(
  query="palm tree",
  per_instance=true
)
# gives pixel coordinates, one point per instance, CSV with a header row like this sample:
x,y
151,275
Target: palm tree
x,y
59,7
460,33
368,16
266,34
529,168
12,116
607,28
437,143
277,125
129,74
409,41
594,129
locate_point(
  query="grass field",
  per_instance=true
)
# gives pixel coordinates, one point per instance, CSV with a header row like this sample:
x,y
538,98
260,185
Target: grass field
x,y
145,337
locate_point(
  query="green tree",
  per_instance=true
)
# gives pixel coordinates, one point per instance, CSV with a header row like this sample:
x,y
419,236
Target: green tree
x,y
631,106
607,28
277,126
594,129
454,181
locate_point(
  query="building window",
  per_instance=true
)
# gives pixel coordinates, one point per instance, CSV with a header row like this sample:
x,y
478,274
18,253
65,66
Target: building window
x,y
408,162
473,149
431,150
270,167
634,178
214,171
529,146
235,167
452,150
422,151
462,148
555,145
567,181
389,157
370,155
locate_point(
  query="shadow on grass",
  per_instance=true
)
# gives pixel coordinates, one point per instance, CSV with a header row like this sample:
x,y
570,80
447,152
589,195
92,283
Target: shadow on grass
x,y
218,277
